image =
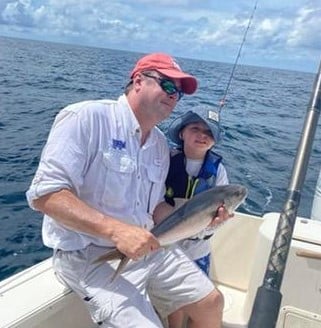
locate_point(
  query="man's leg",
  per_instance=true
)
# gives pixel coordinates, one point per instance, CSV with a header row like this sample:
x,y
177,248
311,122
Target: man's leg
x,y
176,319
116,304
206,313
177,283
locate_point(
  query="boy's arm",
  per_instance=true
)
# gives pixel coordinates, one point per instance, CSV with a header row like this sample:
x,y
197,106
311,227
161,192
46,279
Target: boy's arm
x,y
162,210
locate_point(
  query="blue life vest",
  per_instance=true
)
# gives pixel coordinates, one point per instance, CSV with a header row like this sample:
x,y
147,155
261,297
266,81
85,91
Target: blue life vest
x,y
180,184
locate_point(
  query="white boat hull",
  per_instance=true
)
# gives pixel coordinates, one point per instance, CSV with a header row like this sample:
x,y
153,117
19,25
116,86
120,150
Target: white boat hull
x,y
34,298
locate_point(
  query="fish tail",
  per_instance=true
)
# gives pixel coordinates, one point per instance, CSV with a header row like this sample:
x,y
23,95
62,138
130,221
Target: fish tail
x,y
112,255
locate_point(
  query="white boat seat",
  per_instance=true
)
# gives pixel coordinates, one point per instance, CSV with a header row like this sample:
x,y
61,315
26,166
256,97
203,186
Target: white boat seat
x,y
238,275
36,296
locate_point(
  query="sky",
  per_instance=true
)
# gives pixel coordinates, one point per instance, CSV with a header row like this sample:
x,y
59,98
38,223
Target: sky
x,y
282,34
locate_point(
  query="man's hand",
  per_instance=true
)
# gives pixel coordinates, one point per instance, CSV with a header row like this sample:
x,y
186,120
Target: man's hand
x,y
133,241
69,210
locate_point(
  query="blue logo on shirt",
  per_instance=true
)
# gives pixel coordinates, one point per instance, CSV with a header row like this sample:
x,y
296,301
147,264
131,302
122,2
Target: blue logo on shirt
x,y
119,144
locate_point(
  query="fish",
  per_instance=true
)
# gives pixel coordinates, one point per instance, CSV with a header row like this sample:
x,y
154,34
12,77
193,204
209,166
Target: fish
x,y
188,218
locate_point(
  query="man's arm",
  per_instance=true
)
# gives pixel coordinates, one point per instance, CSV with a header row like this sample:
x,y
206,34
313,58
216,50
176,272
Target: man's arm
x,y
70,211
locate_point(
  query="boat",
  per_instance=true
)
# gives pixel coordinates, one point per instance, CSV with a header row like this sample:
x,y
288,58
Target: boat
x,y
34,298
267,267
259,292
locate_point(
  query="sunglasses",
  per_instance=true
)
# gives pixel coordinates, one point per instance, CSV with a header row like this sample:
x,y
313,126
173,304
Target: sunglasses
x,y
167,85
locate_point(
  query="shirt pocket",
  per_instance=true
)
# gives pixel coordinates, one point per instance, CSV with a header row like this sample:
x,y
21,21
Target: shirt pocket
x,y
156,187
118,177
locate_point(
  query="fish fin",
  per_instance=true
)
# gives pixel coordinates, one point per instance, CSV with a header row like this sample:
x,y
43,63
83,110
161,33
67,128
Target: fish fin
x,y
112,255
120,267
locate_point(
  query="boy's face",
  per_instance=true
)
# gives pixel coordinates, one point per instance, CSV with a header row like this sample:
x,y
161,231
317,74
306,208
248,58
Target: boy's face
x,y
197,136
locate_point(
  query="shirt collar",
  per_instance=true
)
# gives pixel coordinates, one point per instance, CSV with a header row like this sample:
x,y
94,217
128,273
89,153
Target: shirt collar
x,y
133,125
131,121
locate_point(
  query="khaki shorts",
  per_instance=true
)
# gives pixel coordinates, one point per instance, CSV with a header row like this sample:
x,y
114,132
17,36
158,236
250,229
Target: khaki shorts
x,y
166,278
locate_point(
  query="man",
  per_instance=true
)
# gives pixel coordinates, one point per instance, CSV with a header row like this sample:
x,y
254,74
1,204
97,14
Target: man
x,y
102,173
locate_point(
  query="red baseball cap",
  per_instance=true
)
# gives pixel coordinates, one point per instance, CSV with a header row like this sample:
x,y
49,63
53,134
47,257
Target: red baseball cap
x,y
167,66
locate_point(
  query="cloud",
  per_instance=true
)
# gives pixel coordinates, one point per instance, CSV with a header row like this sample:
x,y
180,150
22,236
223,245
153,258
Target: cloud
x,y
17,13
306,29
186,28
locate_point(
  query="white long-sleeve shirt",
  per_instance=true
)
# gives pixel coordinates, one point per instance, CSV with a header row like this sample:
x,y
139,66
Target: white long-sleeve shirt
x,y
94,150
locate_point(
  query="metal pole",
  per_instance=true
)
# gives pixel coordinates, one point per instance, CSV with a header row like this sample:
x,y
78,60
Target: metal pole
x,y
268,298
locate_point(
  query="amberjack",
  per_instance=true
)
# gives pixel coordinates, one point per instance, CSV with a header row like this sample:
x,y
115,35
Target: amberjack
x,y
189,218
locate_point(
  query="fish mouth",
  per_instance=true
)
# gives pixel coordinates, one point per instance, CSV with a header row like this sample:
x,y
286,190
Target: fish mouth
x,y
240,195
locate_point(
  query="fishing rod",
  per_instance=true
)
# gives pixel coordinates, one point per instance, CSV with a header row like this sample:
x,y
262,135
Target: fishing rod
x,y
222,101
268,298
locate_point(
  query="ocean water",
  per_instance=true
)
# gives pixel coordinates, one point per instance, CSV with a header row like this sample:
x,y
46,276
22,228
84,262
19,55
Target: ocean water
x,y
262,123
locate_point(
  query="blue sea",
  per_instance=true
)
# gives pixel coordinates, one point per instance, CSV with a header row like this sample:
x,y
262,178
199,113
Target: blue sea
x,y
262,123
